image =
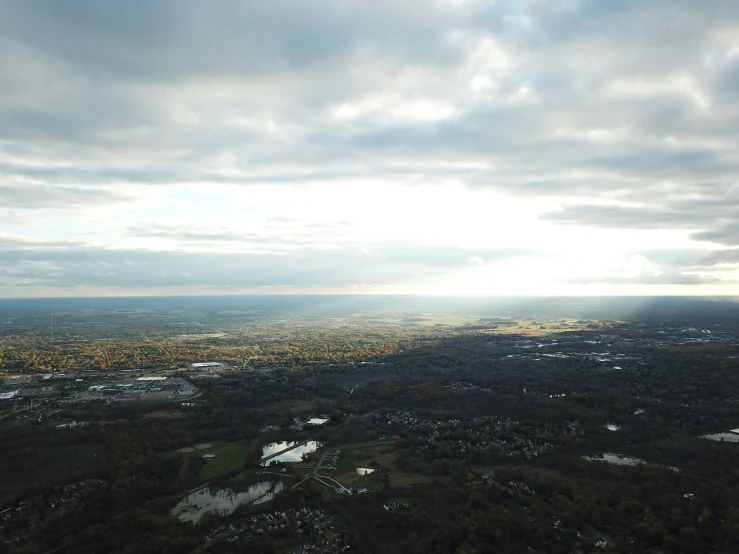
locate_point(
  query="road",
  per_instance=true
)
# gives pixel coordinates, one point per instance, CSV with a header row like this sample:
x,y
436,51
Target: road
x,y
318,477
500,485
320,462
351,416
362,382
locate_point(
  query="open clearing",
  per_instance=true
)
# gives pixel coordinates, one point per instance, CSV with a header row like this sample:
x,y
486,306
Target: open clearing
x,y
227,459
227,456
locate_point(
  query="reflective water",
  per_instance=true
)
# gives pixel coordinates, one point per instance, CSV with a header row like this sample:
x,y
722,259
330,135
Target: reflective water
x,y
294,455
223,501
727,437
617,459
365,471
621,460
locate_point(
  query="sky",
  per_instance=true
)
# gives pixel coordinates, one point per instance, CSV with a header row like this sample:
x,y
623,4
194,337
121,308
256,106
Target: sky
x,y
463,147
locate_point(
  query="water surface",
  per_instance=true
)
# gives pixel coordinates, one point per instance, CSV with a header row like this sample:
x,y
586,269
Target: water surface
x,y
727,437
621,460
223,501
294,455
617,459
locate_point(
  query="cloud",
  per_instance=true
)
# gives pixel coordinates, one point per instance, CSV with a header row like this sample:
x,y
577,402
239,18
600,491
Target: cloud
x,y
276,233
35,196
709,212
618,217
78,264
726,233
646,279
618,115
16,243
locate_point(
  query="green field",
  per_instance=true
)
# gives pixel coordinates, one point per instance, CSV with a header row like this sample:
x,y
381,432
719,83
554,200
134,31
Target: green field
x,y
228,457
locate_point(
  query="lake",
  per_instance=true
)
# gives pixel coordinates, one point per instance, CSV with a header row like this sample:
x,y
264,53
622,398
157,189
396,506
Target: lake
x,y
294,455
223,501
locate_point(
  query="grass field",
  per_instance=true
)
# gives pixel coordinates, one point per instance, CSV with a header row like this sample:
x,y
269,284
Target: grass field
x,y
228,456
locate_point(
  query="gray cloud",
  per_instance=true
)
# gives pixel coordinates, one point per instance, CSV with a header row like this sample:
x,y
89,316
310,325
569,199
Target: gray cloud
x,y
617,217
13,243
683,267
288,232
35,196
728,256
671,278
59,265
711,215
629,103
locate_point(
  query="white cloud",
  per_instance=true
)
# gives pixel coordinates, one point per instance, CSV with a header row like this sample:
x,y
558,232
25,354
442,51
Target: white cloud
x,y
595,140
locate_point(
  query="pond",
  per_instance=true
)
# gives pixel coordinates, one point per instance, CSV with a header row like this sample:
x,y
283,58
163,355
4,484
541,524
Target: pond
x,y
365,471
617,459
621,460
727,437
223,501
294,455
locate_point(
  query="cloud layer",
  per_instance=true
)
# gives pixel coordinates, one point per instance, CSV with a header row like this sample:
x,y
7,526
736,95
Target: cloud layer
x,y
444,143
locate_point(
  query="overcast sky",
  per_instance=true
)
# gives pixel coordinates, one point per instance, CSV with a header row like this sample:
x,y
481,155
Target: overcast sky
x,y
414,146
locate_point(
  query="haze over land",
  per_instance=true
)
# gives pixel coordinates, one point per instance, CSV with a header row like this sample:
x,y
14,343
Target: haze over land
x,y
436,147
